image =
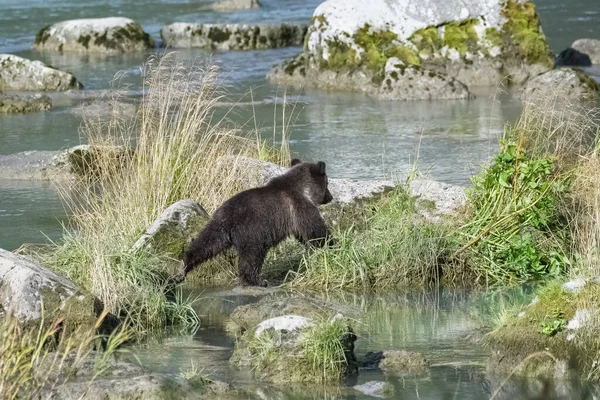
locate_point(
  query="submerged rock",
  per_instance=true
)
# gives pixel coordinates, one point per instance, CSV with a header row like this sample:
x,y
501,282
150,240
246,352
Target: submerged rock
x,y
112,35
572,58
591,47
20,74
233,5
31,292
376,389
10,104
474,42
397,362
232,36
178,225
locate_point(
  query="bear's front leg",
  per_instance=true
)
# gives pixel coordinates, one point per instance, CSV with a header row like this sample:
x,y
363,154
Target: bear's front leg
x,y
250,264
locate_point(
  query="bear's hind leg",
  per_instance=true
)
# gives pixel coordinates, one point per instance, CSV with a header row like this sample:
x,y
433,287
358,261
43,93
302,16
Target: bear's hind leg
x,y
250,264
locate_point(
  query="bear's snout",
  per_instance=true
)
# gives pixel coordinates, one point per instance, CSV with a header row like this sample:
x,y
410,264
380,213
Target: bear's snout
x,y
328,197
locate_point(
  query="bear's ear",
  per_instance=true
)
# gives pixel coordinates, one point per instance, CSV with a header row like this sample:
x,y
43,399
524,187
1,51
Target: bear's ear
x,y
295,161
321,168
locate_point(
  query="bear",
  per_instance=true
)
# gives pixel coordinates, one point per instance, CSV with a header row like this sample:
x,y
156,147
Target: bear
x,y
255,220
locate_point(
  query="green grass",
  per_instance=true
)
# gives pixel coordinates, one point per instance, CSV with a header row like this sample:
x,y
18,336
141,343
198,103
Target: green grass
x,y
384,244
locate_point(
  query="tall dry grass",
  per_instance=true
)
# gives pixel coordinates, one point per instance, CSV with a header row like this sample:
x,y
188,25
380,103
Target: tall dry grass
x,y
33,361
171,148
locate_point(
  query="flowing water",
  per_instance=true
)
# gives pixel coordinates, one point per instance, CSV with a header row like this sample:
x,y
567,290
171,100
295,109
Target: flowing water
x,y
434,324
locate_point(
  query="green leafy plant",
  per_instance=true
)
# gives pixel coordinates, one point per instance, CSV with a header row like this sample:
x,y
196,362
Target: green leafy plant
x,y
557,324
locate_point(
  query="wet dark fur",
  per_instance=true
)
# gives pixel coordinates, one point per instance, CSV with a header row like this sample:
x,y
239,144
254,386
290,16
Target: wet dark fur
x,y
255,220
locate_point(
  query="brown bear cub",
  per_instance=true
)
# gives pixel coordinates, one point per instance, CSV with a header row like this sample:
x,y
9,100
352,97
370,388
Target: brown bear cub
x,y
255,220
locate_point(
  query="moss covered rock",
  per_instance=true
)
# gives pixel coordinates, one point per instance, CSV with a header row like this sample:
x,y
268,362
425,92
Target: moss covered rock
x,y
475,42
18,73
112,35
31,292
304,350
180,223
20,104
232,36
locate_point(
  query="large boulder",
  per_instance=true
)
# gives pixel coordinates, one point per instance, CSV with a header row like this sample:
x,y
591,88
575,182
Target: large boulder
x,y
112,35
20,74
10,104
411,82
180,223
31,292
232,36
571,84
233,5
591,47
475,42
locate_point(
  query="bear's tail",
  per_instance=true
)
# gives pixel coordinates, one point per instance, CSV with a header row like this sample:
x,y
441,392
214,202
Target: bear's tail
x,y
211,242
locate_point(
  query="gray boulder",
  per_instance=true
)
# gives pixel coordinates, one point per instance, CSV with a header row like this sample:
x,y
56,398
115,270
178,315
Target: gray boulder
x,y
88,160
30,291
591,47
571,84
234,5
10,104
437,199
173,229
402,82
474,42
20,74
232,36
112,35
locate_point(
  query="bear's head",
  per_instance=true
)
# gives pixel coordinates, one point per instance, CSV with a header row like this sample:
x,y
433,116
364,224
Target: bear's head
x,y
313,180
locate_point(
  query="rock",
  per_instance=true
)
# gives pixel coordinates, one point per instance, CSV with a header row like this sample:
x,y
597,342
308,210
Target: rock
x,y
591,47
376,389
437,199
574,286
232,36
87,160
397,362
112,35
581,318
475,42
287,359
402,82
345,191
248,316
10,104
178,225
572,58
150,386
288,323
570,84
20,74
233,5
120,379
30,292
32,165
